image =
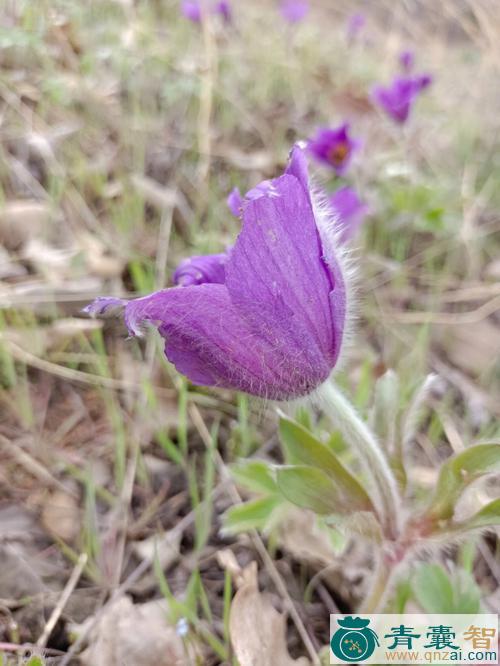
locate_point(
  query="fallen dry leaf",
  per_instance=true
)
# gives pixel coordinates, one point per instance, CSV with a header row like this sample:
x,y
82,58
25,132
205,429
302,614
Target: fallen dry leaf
x,y
473,348
135,635
492,270
61,515
21,220
97,258
257,629
301,536
165,548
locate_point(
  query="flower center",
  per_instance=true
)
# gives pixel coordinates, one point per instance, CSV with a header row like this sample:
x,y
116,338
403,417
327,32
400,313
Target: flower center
x,y
338,153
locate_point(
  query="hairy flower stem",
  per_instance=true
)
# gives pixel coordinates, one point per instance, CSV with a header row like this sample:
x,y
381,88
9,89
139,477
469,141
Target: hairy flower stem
x,y
380,585
384,576
357,434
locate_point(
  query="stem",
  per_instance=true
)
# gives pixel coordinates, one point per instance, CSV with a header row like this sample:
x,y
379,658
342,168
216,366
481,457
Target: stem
x,y
208,81
359,436
383,576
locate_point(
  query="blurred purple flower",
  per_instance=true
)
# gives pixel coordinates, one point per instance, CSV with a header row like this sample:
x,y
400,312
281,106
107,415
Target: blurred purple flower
x,y
275,327
334,147
398,98
407,60
192,10
355,24
200,270
350,210
224,9
294,11
235,202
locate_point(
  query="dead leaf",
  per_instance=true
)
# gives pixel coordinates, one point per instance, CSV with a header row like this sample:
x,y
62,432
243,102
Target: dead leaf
x,y
135,635
227,560
21,220
153,193
8,267
474,348
70,327
98,259
257,629
301,536
166,548
52,262
492,270
61,515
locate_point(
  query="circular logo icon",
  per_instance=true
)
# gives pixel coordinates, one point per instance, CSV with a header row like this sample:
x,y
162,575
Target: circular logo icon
x,y
354,640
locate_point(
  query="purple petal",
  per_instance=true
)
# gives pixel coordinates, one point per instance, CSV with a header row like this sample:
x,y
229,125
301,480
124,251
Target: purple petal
x,y
276,276
200,270
423,81
298,166
191,9
355,24
104,305
265,187
235,202
224,9
350,210
209,341
407,60
294,11
398,98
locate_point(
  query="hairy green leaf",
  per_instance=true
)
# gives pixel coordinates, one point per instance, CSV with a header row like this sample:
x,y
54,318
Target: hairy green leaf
x,y
250,515
254,475
458,472
310,488
303,448
438,592
488,516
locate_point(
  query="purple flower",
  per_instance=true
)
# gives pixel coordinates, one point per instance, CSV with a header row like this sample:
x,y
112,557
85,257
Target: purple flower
x,y
274,327
407,60
294,11
201,270
192,10
224,9
235,202
398,98
355,23
334,147
350,210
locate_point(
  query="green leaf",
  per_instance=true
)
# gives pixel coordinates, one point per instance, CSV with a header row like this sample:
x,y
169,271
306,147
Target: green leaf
x,y
250,515
458,472
254,475
35,661
438,592
310,488
402,594
433,589
489,516
303,448
467,593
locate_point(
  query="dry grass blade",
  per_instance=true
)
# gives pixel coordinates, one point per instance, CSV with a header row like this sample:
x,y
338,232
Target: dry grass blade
x,y
63,600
